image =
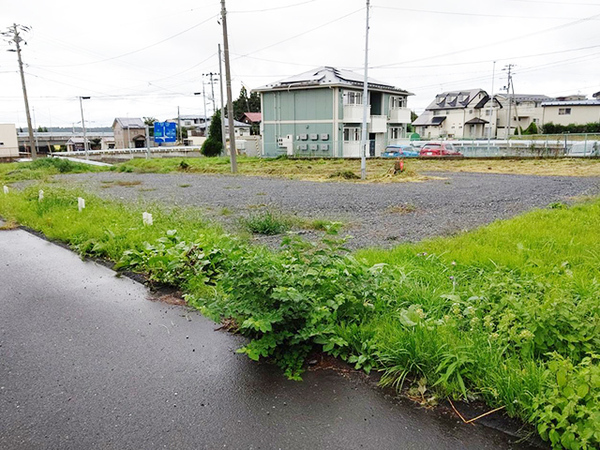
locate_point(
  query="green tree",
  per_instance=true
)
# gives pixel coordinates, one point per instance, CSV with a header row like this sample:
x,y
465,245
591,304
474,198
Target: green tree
x,y
213,145
150,122
245,103
531,129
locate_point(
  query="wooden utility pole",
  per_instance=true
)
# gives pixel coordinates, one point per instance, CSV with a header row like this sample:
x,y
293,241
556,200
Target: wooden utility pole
x,y
14,36
232,149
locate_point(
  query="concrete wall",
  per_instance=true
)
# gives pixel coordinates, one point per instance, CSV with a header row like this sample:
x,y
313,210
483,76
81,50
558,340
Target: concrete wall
x,y
9,145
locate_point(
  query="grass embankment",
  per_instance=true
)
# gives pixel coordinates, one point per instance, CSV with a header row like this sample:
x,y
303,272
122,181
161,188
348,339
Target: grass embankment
x,y
378,170
42,169
509,314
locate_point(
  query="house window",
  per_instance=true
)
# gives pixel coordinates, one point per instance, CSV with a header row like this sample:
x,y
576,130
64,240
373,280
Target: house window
x,y
351,134
564,111
397,102
353,98
396,133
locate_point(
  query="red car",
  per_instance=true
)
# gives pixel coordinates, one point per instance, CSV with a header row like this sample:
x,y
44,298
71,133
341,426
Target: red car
x,y
439,149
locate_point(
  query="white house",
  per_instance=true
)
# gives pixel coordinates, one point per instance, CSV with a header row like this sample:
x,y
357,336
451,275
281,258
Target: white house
x,y
9,144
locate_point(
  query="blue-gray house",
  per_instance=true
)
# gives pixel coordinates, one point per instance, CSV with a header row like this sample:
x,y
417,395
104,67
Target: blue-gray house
x,y
319,113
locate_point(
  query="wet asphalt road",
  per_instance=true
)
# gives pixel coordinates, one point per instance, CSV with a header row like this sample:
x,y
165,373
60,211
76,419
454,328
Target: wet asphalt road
x,y
88,361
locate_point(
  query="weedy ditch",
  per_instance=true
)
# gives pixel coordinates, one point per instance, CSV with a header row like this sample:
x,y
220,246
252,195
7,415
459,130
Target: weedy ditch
x,y
508,314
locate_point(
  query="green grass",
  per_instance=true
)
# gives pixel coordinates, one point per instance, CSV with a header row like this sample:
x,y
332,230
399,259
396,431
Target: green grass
x,y
42,168
508,314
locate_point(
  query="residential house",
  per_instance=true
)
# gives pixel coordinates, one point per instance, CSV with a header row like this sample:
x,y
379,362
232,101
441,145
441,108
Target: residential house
x,y
525,109
129,132
9,145
320,113
458,114
572,110
253,119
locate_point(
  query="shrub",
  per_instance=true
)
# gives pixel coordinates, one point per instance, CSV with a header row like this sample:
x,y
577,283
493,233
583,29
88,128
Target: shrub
x,y
211,147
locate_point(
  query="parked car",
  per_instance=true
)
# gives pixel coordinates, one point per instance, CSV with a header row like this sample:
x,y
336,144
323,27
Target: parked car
x,y
587,148
400,151
439,149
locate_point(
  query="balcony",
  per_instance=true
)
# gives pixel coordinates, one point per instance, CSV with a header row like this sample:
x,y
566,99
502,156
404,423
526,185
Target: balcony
x,y
353,114
378,124
399,115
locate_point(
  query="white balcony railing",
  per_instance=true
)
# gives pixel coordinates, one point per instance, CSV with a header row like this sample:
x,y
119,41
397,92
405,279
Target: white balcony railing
x,y
399,115
353,114
378,124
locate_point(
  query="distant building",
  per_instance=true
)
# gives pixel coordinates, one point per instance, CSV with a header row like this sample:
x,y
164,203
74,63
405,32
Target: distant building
x,y
457,114
129,132
9,145
320,112
570,111
525,109
471,114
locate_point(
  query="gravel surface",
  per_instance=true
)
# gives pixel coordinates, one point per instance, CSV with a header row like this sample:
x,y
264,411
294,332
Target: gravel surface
x,y
374,214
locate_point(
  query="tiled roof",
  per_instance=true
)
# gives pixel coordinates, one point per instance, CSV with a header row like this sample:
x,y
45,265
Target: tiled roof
x,y
254,116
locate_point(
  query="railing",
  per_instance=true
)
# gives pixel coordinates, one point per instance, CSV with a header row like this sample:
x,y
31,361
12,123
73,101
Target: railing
x,y
126,151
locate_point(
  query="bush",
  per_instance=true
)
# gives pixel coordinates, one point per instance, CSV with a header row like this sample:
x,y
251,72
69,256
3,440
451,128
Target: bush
x,y
211,148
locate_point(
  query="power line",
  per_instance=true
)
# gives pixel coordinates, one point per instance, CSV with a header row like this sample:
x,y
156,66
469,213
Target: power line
x,y
271,9
301,34
452,13
594,17
140,49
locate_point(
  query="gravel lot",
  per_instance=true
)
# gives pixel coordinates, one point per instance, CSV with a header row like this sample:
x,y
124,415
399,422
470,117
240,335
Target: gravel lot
x,y
374,214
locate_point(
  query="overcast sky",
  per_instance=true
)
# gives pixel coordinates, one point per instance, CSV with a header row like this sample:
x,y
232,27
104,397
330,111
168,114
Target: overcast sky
x,y
146,58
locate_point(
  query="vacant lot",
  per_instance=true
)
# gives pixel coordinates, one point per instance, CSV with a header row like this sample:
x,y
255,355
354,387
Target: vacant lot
x,y
374,214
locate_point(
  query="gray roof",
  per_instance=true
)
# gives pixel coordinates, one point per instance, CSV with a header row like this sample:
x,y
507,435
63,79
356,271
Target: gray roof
x,y
329,76
456,99
428,118
127,122
527,97
573,103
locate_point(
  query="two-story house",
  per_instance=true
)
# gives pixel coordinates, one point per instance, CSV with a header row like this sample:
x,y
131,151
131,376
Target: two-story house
x,y
129,132
572,110
458,114
525,109
320,113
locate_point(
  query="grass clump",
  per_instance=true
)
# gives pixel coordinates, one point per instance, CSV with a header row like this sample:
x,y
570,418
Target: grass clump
x,y
345,174
267,223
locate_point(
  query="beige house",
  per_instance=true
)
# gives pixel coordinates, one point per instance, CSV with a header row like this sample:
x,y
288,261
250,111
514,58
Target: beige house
x,y
129,133
525,109
568,111
458,114
9,145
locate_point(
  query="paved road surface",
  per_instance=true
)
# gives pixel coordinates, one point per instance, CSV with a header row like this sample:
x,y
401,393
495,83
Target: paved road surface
x,y
88,361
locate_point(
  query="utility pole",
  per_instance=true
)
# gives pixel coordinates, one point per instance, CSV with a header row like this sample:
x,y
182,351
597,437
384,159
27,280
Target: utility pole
x,y
85,142
508,95
14,36
491,108
363,139
223,137
212,88
232,149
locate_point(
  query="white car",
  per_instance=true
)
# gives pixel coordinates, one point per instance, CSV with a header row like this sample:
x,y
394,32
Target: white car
x,y
587,148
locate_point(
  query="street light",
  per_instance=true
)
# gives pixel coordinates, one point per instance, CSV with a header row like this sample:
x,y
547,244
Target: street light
x,y
85,142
